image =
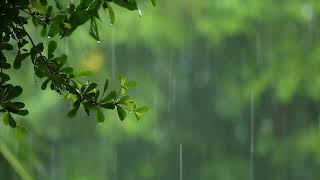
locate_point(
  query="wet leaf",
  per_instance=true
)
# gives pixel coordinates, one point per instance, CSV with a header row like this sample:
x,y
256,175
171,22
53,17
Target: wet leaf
x,y
11,121
19,58
52,46
121,113
94,29
124,99
100,116
91,87
129,4
106,84
111,14
108,106
73,112
111,96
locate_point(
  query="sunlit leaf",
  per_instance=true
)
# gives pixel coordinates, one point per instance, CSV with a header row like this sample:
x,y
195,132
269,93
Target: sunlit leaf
x,y
85,73
137,115
122,80
130,84
142,109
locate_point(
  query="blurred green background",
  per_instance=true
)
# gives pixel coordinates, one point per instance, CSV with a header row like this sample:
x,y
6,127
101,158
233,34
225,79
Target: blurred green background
x,y
233,87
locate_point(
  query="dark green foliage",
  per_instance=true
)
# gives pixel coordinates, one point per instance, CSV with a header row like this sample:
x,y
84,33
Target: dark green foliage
x,y
56,20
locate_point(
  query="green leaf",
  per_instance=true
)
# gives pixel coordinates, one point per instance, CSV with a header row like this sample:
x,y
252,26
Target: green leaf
x,y
43,2
111,14
22,112
4,77
100,115
137,115
112,95
55,25
129,4
90,87
106,84
142,109
21,131
108,106
130,84
73,112
6,46
154,2
44,31
19,58
5,65
122,80
13,106
93,5
94,29
121,113
75,109
124,99
67,70
11,121
123,90
45,84
6,119
52,46
13,91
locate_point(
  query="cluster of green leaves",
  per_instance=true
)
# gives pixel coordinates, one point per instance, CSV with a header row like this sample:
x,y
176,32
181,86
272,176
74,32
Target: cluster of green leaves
x,y
56,20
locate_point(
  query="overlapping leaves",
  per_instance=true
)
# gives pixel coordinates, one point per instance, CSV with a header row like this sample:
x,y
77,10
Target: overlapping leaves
x,y
52,68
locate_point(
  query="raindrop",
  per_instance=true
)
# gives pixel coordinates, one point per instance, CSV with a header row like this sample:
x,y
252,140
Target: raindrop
x,y
252,133
170,85
49,37
258,47
319,124
113,53
53,173
140,13
180,161
99,42
115,165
